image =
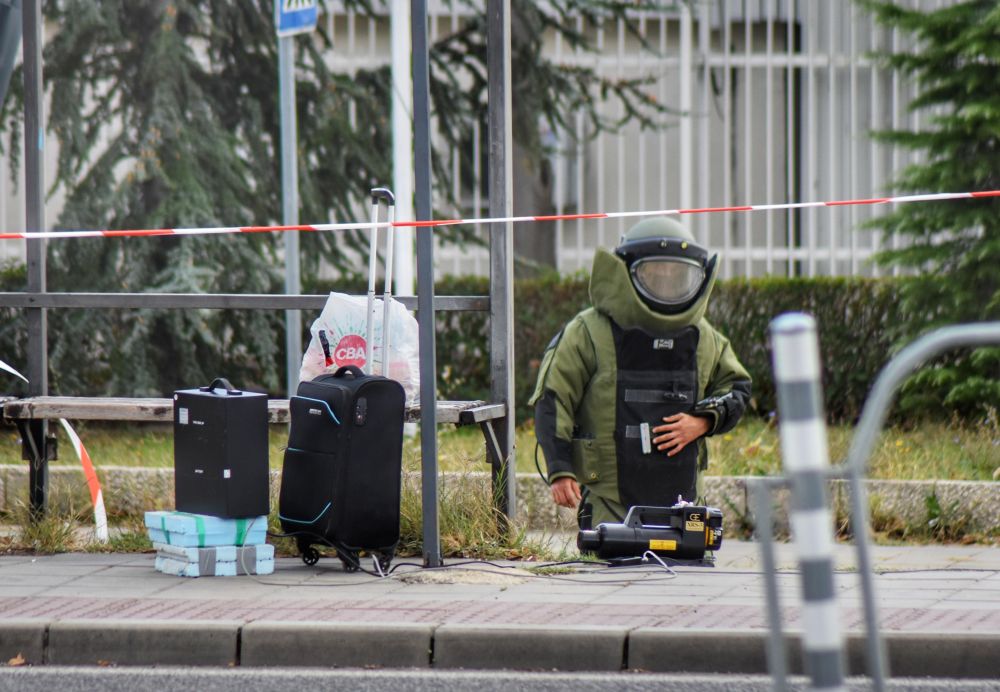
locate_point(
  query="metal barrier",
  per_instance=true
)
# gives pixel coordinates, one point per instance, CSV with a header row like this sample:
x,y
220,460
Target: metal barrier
x,y
793,336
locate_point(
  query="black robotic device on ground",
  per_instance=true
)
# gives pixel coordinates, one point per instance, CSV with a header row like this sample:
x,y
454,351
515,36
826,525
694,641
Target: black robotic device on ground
x,y
684,532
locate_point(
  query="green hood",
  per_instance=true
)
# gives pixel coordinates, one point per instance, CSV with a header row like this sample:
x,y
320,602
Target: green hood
x,y
612,293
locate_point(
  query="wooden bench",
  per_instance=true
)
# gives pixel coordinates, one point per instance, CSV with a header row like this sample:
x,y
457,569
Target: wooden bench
x,y
27,412
30,414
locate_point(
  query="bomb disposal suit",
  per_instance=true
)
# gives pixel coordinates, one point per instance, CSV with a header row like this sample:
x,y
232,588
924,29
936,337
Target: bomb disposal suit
x,y
643,352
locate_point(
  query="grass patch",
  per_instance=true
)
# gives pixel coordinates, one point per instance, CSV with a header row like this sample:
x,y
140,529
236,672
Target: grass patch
x,y
61,532
46,535
128,537
942,522
930,451
468,523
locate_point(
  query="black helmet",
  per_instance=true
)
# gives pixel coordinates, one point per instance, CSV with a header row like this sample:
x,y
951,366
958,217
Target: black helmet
x,y
668,269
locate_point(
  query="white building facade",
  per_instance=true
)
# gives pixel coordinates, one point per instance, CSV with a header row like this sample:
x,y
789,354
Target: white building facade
x,y
777,99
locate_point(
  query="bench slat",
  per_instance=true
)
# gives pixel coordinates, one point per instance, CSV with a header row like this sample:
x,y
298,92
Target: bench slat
x,y
161,410
481,413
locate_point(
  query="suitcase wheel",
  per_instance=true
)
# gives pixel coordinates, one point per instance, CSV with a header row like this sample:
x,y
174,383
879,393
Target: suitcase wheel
x,y
384,560
349,559
310,555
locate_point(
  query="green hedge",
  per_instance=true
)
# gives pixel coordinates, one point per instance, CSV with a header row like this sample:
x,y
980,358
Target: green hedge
x,y
855,317
851,314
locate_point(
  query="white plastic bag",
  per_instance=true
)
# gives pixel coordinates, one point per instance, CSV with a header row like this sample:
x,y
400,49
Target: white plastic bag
x,y
338,339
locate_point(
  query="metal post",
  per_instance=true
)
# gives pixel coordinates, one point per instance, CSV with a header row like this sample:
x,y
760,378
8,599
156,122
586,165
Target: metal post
x,y
402,143
34,185
760,494
290,206
501,199
806,460
10,39
425,285
872,419
687,171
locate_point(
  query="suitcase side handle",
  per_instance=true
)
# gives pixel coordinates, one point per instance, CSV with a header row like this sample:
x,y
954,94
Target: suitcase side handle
x,y
352,370
223,383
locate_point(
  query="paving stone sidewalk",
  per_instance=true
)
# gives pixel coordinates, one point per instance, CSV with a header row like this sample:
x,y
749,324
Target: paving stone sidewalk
x,y
85,608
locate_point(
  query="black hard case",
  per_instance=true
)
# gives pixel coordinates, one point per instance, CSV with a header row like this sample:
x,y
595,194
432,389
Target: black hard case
x,y
342,471
220,451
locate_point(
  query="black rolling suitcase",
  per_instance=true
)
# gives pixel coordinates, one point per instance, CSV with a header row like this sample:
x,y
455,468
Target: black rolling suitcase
x,y
342,471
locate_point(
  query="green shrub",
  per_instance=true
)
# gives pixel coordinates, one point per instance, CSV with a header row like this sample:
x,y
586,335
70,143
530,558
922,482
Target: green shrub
x,y
851,314
855,316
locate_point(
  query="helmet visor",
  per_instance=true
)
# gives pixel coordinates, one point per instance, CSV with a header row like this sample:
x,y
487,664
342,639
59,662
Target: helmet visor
x,y
668,280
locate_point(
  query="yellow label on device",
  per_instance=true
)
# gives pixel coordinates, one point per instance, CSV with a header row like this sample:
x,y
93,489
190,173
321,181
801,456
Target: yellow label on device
x,y
694,526
662,545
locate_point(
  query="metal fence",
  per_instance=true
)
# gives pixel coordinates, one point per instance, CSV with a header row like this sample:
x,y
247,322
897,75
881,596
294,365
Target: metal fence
x,y
779,98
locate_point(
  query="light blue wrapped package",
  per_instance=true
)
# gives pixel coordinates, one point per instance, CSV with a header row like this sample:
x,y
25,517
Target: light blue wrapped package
x,y
201,531
209,562
220,553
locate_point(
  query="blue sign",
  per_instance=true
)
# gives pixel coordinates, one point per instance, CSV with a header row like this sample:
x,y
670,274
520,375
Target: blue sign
x,y
295,16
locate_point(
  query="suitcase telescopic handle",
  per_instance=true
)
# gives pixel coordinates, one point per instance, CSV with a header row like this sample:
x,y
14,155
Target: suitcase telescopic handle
x,y
383,194
222,382
352,370
379,194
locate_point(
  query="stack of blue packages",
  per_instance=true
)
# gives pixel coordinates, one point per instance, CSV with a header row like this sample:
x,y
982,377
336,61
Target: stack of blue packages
x,y
198,545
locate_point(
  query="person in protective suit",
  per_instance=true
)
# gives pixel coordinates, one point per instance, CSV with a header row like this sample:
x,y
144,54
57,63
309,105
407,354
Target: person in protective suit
x,y
630,387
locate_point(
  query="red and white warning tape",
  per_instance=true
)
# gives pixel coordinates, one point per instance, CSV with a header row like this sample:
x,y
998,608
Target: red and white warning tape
x,y
500,219
89,472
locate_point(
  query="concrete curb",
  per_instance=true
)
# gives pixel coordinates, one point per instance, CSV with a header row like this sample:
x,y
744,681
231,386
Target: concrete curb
x,y
459,646
24,638
530,648
143,642
972,505
926,655
666,651
336,645
913,655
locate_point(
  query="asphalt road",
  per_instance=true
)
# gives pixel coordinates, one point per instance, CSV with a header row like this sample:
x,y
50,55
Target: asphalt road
x,y
87,679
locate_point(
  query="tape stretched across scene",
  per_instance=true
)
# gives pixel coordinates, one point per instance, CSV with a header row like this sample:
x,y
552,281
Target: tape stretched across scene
x,y
434,223
89,472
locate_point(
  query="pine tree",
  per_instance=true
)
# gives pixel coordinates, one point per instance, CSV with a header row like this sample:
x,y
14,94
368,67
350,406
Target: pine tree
x,y
166,116
953,247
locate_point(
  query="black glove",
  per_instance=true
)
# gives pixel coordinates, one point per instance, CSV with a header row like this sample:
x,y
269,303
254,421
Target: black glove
x,y
724,411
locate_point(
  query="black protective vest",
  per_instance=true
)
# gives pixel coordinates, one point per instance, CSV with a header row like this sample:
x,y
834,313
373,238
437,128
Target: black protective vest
x,y
657,377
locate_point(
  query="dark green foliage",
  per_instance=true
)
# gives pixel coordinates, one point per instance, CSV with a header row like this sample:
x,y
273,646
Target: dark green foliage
x,y
851,314
955,245
541,307
540,88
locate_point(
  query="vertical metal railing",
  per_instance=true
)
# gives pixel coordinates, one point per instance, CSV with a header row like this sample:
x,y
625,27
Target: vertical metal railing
x,y
34,183
501,200
873,417
853,470
778,96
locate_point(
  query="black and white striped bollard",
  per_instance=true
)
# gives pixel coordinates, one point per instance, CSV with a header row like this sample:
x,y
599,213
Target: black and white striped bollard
x,y
802,428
